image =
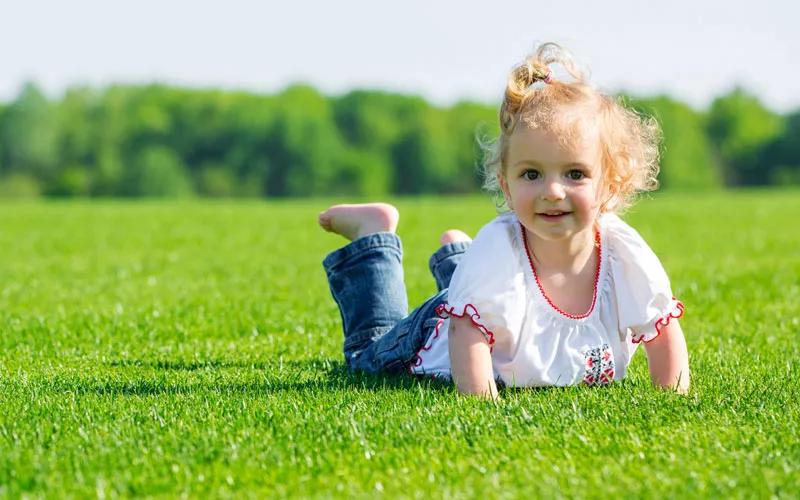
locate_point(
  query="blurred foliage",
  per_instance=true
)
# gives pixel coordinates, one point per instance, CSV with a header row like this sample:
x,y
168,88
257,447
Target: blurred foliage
x,y
159,141
743,131
687,155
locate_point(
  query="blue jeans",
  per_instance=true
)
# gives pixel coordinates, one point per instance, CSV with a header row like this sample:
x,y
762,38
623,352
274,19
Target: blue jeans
x,y
366,280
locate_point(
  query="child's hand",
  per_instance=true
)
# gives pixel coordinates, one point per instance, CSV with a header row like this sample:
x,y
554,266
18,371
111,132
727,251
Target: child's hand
x,y
471,359
668,358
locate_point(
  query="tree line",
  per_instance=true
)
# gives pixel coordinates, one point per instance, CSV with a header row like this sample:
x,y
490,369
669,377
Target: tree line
x,y
161,141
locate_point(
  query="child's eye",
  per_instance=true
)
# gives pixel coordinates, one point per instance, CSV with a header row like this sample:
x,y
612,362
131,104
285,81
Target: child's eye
x,y
531,175
576,175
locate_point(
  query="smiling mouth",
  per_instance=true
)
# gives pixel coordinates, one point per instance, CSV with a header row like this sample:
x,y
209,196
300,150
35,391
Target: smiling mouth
x,y
554,213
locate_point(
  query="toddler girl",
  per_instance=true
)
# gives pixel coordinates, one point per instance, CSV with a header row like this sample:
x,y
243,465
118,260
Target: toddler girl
x,y
557,290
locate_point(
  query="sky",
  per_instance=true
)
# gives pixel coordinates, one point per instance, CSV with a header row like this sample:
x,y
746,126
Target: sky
x,y
446,51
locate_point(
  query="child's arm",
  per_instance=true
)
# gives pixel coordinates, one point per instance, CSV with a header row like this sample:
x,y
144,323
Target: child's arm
x,y
470,359
668,358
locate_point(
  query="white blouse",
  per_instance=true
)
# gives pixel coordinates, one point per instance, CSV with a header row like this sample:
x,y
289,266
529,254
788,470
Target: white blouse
x,y
533,342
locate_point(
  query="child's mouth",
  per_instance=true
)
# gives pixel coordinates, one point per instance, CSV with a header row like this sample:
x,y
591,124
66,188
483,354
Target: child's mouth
x,y
553,215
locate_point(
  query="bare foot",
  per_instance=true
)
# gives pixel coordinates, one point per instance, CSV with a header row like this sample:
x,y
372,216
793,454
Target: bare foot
x,y
453,236
357,221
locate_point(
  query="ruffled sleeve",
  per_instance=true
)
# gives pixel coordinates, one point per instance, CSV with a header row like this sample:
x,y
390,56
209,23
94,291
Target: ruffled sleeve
x,y
643,293
488,285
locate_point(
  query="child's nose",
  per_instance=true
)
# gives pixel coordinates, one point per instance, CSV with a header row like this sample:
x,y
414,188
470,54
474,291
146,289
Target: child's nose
x,y
553,190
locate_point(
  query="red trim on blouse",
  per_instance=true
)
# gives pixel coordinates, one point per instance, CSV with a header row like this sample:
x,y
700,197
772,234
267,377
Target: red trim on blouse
x,y
443,312
541,288
662,322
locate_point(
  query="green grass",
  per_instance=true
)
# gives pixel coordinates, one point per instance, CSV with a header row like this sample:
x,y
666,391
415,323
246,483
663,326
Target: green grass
x,y
167,349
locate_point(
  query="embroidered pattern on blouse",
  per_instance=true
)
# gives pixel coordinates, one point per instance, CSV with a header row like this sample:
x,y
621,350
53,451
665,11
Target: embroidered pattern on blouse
x,y
599,366
541,288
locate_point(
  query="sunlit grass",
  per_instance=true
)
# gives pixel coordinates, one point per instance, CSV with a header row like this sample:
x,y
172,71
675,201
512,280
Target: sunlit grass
x,y
194,348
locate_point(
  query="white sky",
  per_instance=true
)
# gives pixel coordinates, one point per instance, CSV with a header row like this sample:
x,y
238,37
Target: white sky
x,y
693,50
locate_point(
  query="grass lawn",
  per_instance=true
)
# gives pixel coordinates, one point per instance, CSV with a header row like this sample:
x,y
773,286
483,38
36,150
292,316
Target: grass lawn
x,y
193,348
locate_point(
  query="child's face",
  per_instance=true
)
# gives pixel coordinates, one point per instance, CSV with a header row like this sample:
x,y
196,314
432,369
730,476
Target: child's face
x,y
555,190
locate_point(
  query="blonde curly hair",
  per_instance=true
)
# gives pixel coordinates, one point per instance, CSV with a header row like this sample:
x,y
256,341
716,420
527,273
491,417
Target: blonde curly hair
x,y
570,110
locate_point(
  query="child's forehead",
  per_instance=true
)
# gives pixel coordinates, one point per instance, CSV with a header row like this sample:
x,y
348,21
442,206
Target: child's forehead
x,y
555,143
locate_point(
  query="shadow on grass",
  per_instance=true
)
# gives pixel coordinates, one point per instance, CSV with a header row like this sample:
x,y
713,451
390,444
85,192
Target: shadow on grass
x,y
193,365
316,375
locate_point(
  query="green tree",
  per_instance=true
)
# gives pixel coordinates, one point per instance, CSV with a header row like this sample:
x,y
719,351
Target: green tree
x,y
687,159
305,145
368,119
382,129
431,144
77,148
77,132
410,153
216,180
250,122
3,109
360,172
75,180
784,154
111,129
157,172
740,127
29,137
470,125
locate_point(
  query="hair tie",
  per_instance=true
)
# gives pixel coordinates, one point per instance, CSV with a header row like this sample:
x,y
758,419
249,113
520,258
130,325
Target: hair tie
x,y
549,77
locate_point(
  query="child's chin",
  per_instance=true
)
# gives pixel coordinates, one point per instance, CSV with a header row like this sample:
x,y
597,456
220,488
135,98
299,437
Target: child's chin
x,y
553,234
